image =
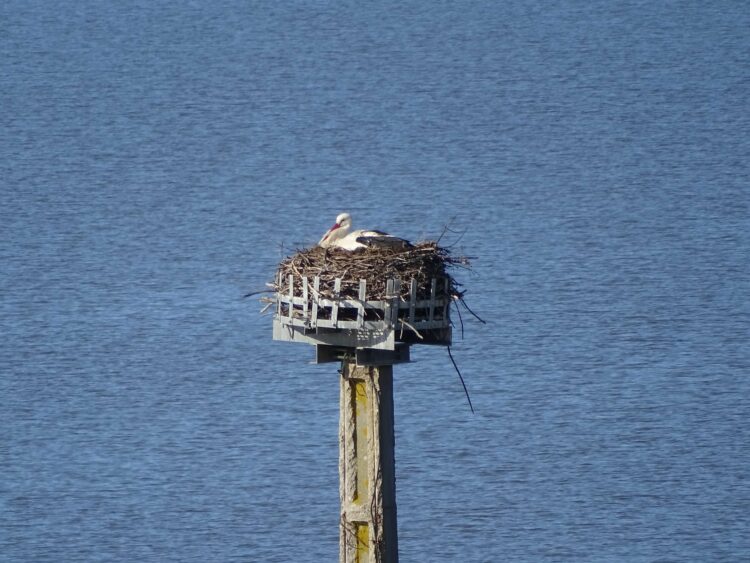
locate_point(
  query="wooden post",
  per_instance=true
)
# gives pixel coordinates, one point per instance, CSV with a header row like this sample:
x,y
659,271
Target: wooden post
x,y
367,476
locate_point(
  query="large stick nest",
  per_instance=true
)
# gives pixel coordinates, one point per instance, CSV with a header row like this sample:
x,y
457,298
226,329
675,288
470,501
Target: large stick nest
x,y
423,262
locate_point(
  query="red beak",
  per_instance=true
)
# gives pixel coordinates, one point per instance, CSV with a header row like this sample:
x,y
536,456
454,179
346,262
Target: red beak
x,y
328,234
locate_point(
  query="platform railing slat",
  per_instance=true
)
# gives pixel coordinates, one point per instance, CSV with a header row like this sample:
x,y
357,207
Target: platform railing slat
x,y
291,295
305,303
316,297
336,295
361,304
412,300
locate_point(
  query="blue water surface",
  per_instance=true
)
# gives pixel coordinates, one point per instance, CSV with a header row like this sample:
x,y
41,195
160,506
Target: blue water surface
x,y
158,159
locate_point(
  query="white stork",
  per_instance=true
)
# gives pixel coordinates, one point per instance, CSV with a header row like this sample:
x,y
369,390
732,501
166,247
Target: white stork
x,y
340,236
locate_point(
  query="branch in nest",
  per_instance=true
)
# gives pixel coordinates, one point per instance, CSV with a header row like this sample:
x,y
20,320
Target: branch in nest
x,y
402,321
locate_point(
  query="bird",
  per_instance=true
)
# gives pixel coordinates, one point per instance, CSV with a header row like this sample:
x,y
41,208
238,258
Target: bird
x,y
340,236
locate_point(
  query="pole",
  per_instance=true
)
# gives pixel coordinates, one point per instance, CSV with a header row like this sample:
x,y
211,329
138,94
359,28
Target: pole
x,y
367,469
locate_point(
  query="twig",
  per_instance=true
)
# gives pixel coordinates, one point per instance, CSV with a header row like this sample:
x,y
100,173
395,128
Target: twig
x,y
446,229
258,292
461,320
461,378
411,327
480,319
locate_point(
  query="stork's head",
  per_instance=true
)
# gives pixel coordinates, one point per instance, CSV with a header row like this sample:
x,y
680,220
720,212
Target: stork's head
x,y
339,230
344,221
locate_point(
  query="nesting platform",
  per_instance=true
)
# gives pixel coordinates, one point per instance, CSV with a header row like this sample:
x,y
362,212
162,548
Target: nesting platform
x,y
365,309
376,316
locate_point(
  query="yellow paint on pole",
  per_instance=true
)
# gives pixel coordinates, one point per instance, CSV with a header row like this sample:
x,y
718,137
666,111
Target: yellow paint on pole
x,y
363,543
363,418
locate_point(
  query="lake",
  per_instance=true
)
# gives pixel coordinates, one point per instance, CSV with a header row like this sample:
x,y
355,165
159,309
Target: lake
x,y
160,158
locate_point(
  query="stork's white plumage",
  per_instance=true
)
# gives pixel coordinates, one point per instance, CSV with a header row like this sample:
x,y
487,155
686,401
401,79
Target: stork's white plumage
x,y
341,236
